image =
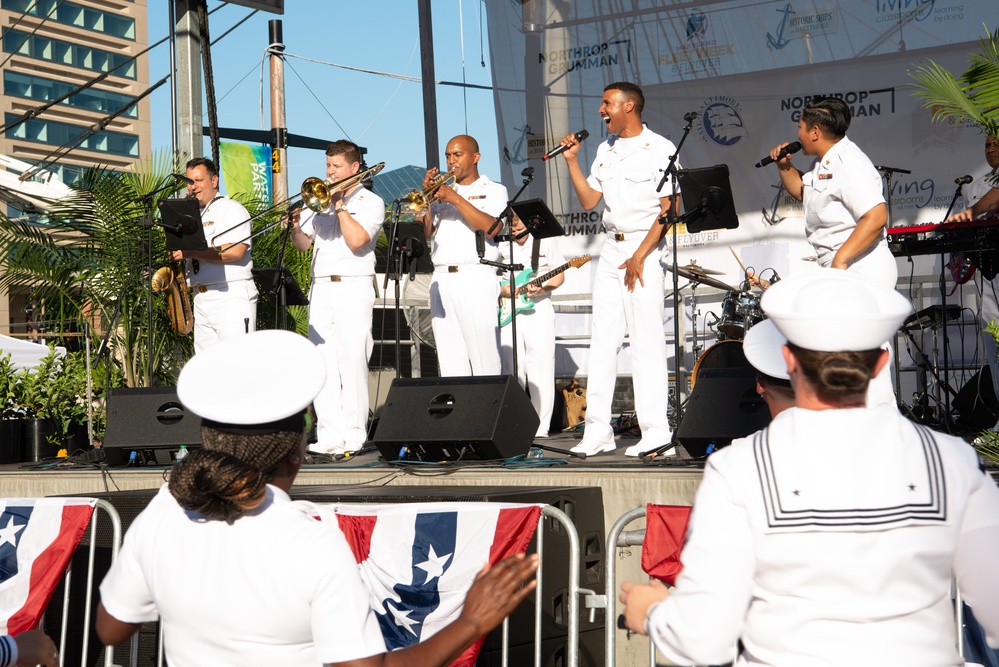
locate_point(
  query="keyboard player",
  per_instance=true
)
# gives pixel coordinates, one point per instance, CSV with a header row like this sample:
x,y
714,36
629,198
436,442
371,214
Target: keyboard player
x,y
982,195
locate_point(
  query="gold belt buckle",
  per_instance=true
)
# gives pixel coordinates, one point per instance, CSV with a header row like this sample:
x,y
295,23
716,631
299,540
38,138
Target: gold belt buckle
x,y
452,269
334,279
202,289
618,236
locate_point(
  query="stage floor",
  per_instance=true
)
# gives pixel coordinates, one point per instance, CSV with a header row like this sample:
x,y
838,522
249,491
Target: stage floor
x,y
626,482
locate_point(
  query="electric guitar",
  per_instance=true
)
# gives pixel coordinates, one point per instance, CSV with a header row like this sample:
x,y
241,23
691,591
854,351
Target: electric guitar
x,y
522,281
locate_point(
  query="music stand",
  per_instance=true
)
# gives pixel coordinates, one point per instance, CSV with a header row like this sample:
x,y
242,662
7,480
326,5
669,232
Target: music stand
x,y
537,218
267,278
707,199
411,252
181,222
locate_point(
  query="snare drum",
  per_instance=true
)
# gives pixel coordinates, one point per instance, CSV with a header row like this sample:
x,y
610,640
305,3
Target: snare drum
x,y
740,311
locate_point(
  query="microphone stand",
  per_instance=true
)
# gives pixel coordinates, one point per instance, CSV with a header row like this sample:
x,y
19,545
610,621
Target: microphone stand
x,y
395,259
511,268
672,220
888,171
279,286
148,222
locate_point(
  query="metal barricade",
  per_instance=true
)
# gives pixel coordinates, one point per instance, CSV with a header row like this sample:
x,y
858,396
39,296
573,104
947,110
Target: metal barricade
x,y
574,591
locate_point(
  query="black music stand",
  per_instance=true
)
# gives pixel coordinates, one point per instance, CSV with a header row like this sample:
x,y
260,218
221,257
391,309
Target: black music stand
x,y
268,279
707,199
181,222
537,218
410,254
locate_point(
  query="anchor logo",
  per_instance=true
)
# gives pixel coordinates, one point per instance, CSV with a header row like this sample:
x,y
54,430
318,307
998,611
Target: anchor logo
x,y
779,42
517,157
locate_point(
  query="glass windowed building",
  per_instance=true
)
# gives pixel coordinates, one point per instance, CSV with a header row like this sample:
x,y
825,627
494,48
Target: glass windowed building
x,y
51,47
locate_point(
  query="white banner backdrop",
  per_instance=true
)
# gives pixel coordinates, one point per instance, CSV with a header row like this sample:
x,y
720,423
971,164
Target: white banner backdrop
x,y
747,71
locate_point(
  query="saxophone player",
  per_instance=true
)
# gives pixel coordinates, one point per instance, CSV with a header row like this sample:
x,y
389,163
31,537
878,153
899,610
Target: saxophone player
x,y
225,296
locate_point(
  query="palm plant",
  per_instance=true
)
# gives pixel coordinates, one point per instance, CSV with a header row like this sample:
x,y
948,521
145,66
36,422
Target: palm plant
x,y
972,96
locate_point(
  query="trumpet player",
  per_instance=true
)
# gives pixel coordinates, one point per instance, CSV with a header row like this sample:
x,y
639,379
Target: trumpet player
x,y
342,298
224,294
463,292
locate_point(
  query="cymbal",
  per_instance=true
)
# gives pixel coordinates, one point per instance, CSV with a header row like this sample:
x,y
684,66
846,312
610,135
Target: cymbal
x,y
700,270
685,272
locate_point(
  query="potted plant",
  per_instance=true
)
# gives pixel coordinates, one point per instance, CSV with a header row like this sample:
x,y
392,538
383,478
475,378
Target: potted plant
x,y
10,426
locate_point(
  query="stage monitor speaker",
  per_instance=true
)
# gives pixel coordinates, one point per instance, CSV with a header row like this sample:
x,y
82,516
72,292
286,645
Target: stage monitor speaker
x,y
723,406
485,417
147,425
976,403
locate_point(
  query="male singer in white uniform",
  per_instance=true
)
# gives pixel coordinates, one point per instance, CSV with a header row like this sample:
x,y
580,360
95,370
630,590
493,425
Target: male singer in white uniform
x,y
463,292
628,290
536,325
221,279
342,299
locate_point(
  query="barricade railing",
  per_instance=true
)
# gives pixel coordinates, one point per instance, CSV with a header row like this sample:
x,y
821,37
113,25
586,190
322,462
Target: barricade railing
x,y
572,602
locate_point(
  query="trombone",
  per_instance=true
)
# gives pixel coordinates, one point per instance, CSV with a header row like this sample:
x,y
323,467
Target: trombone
x,y
417,201
315,194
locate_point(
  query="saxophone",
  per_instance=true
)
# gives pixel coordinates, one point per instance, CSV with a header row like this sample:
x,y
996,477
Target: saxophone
x,y
170,279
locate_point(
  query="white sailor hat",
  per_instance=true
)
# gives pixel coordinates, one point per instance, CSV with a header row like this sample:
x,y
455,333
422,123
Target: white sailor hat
x,y
257,378
762,347
830,310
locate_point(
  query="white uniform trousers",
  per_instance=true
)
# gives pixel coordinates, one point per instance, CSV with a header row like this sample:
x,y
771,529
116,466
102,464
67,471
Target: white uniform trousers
x,y
223,311
535,357
340,326
466,331
640,314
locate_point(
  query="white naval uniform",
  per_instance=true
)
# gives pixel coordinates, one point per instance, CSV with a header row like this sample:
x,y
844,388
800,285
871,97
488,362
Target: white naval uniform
x,y
341,301
831,538
463,292
224,296
837,191
535,332
626,172
254,597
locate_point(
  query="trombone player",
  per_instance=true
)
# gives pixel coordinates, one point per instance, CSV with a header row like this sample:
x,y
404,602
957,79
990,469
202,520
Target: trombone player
x,y
342,296
225,296
463,292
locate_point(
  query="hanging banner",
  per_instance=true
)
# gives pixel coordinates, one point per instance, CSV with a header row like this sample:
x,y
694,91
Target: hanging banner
x,y
246,169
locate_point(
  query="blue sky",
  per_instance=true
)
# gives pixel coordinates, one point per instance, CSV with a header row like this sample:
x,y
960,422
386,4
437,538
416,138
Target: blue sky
x,y
381,113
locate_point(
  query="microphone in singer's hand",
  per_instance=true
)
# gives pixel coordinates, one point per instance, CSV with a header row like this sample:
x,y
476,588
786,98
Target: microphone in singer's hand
x,y
963,180
185,179
558,150
792,147
480,243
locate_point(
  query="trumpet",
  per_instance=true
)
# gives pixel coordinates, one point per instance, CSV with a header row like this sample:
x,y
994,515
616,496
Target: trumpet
x,y
417,201
317,193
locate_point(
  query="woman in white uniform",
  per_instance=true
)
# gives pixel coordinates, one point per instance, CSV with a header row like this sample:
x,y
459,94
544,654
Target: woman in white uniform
x,y
832,536
237,572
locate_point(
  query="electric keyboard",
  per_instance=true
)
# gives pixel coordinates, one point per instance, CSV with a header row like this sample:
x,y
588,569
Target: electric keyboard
x,y
944,237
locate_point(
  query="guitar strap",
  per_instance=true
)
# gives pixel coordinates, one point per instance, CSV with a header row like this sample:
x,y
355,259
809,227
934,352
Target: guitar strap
x,y
535,254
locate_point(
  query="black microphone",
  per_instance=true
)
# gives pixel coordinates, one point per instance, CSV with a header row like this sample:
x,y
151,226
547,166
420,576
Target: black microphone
x,y
185,179
792,147
963,180
558,150
480,243
690,116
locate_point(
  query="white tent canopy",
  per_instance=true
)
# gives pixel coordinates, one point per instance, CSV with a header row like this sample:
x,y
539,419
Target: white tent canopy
x,y
25,354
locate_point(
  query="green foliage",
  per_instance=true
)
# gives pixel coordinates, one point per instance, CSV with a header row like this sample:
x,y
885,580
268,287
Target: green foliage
x,y
8,388
972,96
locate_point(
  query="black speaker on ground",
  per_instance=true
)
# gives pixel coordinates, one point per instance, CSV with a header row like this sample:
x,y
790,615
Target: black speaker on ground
x,y
147,425
976,403
585,508
446,419
723,403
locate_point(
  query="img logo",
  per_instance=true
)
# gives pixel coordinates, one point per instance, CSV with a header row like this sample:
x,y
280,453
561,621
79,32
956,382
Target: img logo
x,y
721,121
697,24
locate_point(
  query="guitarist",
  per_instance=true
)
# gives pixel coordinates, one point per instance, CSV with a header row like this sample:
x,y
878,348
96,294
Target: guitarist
x,y
536,325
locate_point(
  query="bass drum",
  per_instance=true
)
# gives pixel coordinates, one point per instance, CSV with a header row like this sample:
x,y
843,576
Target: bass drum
x,y
721,358
740,311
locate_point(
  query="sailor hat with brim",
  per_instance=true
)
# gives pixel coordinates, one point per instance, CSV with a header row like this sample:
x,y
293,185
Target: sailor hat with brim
x,y
831,310
762,347
257,378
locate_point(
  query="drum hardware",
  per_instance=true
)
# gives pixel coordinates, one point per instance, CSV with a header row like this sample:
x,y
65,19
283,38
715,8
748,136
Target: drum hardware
x,y
694,273
932,386
740,311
